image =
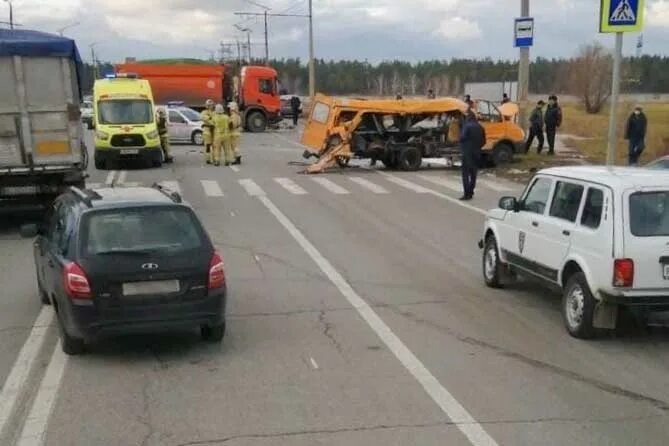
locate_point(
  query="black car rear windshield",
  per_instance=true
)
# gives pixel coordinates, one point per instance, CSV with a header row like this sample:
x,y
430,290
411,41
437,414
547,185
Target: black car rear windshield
x,y
152,229
649,214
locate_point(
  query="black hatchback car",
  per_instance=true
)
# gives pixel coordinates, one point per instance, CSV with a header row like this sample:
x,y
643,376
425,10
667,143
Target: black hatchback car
x,y
127,260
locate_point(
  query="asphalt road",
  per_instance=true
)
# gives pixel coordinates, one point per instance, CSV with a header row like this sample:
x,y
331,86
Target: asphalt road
x,y
357,316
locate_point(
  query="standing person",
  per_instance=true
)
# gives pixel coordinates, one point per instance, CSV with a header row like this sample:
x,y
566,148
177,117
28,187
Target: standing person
x,y
553,121
468,101
536,127
221,134
505,98
236,132
208,129
161,123
635,133
471,141
430,94
295,104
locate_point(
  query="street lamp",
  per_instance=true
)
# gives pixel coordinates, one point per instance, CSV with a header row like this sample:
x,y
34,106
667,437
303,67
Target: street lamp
x,y
95,64
248,38
71,25
11,14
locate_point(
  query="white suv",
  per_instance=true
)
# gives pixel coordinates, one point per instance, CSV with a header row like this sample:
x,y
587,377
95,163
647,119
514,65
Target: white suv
x,y
601,234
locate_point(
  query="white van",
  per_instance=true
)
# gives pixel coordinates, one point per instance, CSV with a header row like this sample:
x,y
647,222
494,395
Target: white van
x,y
599,233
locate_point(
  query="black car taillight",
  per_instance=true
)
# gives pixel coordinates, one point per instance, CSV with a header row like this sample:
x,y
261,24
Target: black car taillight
x,y
216,272
75,282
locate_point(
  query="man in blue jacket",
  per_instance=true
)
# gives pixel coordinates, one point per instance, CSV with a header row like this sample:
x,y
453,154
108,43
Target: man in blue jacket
x,y
472,141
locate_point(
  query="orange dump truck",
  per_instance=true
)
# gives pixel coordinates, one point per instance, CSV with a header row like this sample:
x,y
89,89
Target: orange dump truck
x,y
254,89
400,133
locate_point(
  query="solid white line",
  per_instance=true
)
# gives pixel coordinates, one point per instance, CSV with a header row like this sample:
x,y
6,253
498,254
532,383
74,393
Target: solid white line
x,y
408,184
440,181
251,187
497,187
291,186
375,188
439,394
132,184
34,429
18,376
122,177
332,187
110,177
211,188
314,364
171,185
234,168
445,197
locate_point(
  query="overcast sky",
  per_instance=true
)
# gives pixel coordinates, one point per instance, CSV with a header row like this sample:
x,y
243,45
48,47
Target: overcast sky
x,y
344,29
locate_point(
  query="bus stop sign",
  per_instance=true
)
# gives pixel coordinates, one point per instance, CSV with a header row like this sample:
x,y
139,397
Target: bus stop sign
x,y
523,32
618,16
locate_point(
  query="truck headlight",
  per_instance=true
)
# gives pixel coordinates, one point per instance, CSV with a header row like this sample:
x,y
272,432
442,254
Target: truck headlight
x,y
152,134
101,135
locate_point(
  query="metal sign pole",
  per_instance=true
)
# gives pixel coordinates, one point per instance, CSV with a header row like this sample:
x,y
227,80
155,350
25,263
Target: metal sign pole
x,y
615,89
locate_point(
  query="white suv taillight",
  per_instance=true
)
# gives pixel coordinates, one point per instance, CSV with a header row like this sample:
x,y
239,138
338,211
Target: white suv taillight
x,y
216,272
623,273
75,282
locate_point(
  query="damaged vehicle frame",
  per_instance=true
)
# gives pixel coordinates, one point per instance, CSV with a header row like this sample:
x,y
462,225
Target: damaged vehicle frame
x,y
400,133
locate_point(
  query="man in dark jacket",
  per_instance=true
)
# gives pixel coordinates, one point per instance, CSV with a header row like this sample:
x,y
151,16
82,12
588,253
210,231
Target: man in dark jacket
x,y
635,133
295,104
553,120
471,141
536,128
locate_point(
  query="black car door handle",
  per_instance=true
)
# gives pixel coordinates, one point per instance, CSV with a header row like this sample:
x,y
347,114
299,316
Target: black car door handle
x,y
565,232
535,224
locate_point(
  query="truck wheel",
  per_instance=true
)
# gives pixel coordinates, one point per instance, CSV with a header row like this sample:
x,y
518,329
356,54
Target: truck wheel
x,y
256,122
410,158
492,267
197,138
100,163
390,161
578,307
502,154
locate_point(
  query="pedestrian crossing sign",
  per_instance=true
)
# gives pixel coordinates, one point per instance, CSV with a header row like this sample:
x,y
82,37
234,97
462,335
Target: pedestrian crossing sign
x,y
621,16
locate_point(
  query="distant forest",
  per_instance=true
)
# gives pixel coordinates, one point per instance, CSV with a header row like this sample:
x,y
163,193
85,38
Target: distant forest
x,y
646,74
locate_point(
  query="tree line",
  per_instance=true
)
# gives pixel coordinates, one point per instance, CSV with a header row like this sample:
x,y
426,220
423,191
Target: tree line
x,y
646,74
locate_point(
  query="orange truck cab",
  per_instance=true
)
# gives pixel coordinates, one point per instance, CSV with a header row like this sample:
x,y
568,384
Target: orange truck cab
x,y
254,88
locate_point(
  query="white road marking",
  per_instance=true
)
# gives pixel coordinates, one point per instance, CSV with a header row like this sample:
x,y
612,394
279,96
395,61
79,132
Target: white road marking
x,y
122,176
34,429
494,185
314,364
466,205
234,168
232,214
444,182
132,184
291,186
110,177
17,379
171,185
211,188
94,185
257,259
408,184
331,186
439,394
373,187
251,187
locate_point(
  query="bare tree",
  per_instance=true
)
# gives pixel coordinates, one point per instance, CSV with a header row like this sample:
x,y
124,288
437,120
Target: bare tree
x,y
380,80
413,83
590,76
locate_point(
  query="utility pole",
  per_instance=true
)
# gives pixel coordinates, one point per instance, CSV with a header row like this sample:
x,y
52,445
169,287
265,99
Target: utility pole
x,y
615,90
11,14
312,62
94,59
266,41
62,30
524,70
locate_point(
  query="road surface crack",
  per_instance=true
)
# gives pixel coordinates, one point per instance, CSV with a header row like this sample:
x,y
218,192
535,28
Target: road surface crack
x,y
538,364
146,418
327,331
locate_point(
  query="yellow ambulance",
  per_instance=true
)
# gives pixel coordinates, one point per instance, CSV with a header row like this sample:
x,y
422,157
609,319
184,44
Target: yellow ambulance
x,y
124,122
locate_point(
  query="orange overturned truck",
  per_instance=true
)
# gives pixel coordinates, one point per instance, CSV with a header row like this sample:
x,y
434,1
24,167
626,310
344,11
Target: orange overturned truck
x,y
400,133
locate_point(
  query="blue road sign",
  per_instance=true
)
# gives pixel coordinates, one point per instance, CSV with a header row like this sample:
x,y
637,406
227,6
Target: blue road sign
x,y
523,32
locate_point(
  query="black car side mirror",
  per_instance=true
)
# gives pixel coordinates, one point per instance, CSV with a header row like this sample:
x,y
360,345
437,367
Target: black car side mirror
x,y
30,230
509,204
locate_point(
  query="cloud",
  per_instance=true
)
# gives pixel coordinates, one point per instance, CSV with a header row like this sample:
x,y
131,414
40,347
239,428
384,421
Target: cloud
x,y
459,28
658,14
29,11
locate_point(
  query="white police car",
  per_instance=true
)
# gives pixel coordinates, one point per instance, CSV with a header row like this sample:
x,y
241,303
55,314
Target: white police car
x,y
599,233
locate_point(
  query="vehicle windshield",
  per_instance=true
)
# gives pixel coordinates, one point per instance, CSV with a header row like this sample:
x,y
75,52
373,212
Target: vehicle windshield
x,y
660,164
649,214
125,111
190,114
163,230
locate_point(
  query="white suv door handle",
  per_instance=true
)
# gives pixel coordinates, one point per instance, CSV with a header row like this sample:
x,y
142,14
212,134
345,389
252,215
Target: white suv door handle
x,y
565,232
535,224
